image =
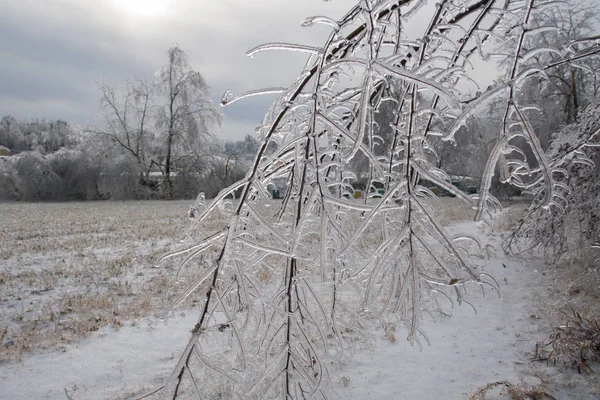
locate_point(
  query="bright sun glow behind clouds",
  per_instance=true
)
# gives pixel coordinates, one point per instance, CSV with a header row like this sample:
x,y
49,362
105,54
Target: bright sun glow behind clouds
x,y
143,8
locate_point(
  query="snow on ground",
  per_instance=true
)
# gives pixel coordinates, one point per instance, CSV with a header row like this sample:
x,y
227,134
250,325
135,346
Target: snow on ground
x,y
108,364
467,351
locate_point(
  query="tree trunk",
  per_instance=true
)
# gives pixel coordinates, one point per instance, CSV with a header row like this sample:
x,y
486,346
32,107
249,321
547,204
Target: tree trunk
x,y
171,132
168,165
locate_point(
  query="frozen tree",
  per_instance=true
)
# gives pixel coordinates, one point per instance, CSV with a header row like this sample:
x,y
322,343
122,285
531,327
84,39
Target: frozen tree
x,y
35,179
570,86
10,134
288,287
163,125
555,231
128,117
246,148
184,115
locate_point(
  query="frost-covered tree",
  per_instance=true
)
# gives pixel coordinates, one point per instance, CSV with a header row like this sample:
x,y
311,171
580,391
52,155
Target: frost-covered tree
x,y
573,150
35,179
184,115
246,148
128,121
288,287
164,125
570,86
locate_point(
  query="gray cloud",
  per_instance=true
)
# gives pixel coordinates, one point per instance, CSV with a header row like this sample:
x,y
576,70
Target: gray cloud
x,y
54,52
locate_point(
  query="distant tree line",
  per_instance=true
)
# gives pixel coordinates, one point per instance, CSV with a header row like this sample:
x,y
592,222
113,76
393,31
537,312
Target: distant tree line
x,y
157,138
156,142
53,161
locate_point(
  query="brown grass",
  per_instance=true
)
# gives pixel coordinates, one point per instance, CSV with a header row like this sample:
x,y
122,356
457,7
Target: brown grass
x,y
572,317
576,344
68,269
453,210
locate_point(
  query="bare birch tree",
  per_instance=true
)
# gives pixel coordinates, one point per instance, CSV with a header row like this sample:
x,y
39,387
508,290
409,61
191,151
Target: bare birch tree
x,y
184,115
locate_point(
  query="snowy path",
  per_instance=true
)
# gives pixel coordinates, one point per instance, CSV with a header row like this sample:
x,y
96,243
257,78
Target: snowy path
x,y
467,351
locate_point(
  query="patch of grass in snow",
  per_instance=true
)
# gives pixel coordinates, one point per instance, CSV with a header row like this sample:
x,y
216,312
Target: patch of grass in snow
x,y
69,269
508,219
572,315
576,343
453,210
568,301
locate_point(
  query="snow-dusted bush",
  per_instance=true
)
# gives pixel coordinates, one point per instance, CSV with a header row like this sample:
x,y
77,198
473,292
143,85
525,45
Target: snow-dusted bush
x,y
289,287
119,179
575,344
79,175
35,179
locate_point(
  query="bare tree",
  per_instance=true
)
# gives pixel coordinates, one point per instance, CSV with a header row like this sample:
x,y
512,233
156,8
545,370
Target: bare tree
x,y
128,115
184,115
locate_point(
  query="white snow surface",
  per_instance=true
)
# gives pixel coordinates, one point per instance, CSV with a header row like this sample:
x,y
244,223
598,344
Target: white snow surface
x,y
467,351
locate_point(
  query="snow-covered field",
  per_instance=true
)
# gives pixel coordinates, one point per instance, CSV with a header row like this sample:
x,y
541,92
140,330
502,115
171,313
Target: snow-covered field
x,y
81,314
68,269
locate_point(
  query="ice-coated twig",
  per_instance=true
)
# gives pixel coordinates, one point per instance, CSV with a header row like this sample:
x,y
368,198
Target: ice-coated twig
x,y
290,285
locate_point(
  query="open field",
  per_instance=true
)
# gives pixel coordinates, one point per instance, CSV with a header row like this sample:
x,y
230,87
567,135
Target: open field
x,y
68,269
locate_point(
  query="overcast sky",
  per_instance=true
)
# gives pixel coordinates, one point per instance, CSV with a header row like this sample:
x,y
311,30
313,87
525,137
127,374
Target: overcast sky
x,y
55,52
